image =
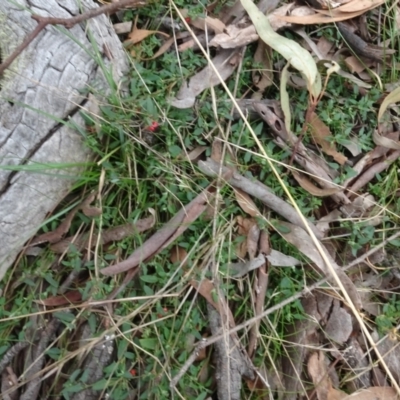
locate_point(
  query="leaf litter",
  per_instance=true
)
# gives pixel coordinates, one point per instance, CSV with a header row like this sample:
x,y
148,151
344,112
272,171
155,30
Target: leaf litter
x,y
324,353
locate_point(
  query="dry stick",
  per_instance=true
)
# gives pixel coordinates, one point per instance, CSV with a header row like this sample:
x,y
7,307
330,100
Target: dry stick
x,y
34,381
297,296
260,289
370,173
152,245
188,363
11,353
260,191
68,23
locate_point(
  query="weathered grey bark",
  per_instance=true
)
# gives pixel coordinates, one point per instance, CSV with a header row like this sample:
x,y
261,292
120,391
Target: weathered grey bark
x,y
41,88
230,363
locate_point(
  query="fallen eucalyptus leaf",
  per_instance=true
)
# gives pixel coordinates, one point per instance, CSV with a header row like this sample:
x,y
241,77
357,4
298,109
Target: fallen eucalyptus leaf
x,y
380,140
206,78
278,259
321,135
285,103
306,184
297,56
236,270
235,37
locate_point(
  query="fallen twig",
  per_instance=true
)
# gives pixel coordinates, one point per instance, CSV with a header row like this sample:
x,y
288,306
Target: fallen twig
x,y
260,191
176,226
370,173
231,363
191,359
260,289
117,233
68,23
33,386
11,353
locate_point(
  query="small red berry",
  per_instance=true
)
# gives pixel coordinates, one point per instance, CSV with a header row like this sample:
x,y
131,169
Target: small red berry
x,y
153,127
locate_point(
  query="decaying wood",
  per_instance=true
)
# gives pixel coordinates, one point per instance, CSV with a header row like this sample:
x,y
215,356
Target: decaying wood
x,y
40,100
95,362
231,363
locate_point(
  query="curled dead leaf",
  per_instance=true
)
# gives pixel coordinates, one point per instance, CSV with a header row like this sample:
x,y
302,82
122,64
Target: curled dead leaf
x,y
246,203
306,184
380,140
321,135
210,24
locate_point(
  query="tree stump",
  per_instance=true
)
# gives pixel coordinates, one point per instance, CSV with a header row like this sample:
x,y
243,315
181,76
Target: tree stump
x,y
40,103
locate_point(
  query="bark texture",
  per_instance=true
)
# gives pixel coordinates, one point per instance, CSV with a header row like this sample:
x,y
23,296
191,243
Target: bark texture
x,y
40,100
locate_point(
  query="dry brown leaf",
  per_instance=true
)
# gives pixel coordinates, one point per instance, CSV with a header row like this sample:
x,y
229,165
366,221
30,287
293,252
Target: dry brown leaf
x,y
210,24
252,240
360,5
390,350
207,289
335,394
167,44
356,66
56,235
107,235
74,296
239,269
122,27
372,393
178,254
137,35
246,203
263,78
298,11
92,211
216,150
235,37
383,141
324,46
177,225
306,184
321,135
339,325
264,244
195,153
278,259
244,225
318,372
380,151
321,17
206,78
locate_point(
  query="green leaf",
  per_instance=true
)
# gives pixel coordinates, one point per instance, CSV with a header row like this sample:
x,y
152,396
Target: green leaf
x,y
174,150
64,316
100,385
298,57
148,344
3,349
54,353
149,278
280,228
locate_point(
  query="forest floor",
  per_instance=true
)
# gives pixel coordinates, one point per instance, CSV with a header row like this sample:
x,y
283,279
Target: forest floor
x,y
237,236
